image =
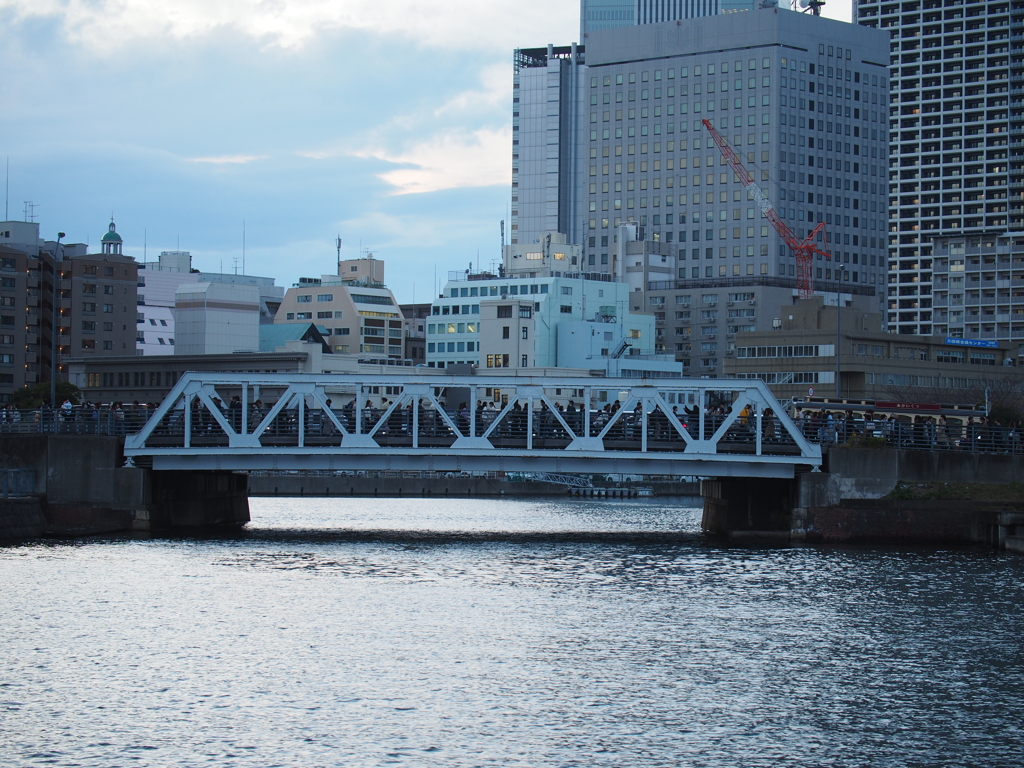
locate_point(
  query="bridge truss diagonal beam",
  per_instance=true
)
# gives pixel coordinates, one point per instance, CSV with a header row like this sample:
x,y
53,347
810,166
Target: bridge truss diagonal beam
x,y
701,426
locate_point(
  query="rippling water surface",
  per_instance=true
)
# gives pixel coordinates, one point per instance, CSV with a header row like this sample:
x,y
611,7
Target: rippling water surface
x,y
366,632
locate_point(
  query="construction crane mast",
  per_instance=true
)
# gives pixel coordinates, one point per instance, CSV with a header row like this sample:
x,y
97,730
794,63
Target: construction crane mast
x,y
803,250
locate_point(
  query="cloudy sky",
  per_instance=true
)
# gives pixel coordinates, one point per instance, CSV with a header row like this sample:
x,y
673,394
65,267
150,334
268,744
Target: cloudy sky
x,y
384,121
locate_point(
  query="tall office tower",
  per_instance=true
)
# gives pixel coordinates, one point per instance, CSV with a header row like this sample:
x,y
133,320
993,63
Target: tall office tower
x,y
791,93
956,207
547,103
546,88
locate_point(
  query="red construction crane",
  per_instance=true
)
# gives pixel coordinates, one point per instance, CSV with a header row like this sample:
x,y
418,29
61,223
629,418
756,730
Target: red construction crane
x,y
803,250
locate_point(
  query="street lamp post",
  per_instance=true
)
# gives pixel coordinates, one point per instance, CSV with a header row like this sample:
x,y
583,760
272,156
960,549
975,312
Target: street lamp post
x,y
54,341
839,337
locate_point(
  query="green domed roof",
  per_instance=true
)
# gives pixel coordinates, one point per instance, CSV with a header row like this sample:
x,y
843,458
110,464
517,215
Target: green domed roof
x,y
111,236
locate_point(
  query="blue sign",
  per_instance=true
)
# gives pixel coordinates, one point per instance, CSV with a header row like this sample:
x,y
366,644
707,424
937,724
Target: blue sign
x,y
954,342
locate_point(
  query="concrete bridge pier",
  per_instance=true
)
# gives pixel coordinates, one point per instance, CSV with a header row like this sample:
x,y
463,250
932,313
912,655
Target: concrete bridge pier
x,y
182,499
748,509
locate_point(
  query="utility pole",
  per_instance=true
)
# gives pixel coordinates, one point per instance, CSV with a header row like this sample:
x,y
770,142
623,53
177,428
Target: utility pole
x,y
839,337
55,333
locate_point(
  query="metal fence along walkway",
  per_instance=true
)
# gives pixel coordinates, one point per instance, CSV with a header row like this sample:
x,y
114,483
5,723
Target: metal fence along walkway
x,y
254,421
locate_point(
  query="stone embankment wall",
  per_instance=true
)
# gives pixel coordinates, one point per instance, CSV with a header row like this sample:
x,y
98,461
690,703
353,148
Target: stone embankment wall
x,y
880,495
82,487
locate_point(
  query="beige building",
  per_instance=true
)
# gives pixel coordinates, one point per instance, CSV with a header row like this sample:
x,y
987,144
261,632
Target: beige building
x,y
801,354
355,308
98,301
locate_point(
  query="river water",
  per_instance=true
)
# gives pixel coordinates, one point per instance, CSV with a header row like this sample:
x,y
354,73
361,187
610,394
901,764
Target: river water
x,y
377,632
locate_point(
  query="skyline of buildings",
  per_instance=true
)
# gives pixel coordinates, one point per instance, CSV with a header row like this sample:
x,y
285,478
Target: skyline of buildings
x,y
610,156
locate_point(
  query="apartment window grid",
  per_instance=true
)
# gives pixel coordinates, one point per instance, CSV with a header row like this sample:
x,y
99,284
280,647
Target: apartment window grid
x,y
955,131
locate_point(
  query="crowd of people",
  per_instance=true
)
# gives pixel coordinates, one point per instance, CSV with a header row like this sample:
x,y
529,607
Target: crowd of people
x,y
86,418
920,431
972,432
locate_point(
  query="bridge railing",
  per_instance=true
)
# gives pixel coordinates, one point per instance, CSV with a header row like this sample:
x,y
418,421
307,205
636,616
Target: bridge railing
x,y
330,413
79,420
972,437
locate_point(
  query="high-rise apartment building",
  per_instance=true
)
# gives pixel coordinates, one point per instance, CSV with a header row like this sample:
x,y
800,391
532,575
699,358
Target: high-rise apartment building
x,y
956,175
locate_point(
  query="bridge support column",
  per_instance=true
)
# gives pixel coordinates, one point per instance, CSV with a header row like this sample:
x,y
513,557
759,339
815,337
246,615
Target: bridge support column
x,y
196,500
748,508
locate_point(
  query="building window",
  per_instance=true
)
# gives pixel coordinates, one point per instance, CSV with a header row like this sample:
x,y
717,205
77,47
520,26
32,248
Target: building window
x,y
108,309
306,298
88,344
505,332
505,310
525,332
324,315
325,297
523,361
289,316
565,309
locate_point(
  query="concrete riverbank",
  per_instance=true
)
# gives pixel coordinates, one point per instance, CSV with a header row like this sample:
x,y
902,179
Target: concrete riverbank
x,y
70,485
920,496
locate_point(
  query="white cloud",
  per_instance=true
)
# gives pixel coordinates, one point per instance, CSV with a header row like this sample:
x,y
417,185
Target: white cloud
x,y
106,24
227,159
478,159
496,91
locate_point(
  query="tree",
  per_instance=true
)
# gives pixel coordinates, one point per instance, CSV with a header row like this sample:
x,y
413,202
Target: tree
x,y
33,397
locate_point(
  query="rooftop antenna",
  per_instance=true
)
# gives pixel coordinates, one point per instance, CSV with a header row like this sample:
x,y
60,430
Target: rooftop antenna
x,y
235,259
243,248
337,247
808,6
30,210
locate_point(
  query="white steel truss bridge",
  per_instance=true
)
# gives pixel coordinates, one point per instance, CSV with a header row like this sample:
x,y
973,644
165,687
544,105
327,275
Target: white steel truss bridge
x,y
415,421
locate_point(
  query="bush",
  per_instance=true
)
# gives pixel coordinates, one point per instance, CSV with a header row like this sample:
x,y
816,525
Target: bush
x,y
33,397
864,441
